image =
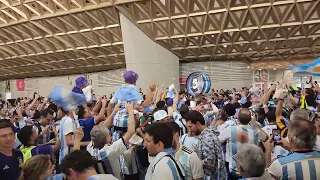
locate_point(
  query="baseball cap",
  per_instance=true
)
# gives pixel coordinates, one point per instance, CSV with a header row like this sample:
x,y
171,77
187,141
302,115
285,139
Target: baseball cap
x,y
130,77
159,115
81,81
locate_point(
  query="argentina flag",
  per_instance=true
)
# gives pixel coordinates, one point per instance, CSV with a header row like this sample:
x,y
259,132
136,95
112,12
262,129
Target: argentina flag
x,y
310,68
128,94
67,99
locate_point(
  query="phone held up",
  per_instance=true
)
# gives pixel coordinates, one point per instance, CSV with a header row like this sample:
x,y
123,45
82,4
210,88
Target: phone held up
x,y
276,136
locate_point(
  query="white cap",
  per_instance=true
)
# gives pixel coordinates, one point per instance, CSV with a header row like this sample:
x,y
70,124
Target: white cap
x,y
159,115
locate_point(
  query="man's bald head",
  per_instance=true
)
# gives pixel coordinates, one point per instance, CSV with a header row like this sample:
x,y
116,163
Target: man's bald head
x,y
244,116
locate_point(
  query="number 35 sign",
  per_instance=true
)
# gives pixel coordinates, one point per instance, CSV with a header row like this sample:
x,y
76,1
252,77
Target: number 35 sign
x,y
257,74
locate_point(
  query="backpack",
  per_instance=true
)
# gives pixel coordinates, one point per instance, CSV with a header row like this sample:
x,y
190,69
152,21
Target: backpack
x,y
142,155
100,167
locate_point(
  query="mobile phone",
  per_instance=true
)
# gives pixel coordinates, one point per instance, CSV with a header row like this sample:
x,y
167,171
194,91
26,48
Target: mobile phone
x,y
276,136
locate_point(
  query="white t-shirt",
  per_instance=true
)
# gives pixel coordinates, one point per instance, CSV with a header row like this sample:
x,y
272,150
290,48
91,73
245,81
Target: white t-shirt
x,y
67,126
190,162
110,156
102,177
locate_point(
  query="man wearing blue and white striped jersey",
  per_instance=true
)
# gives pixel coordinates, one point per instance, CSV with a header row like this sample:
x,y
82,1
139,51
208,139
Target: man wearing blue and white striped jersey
x,y
158,141
101,148
188,158
303,162
235,136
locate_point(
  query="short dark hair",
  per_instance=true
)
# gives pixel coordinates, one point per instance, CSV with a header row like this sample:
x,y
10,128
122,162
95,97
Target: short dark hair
x,y
229,109
63,110
194,117
244,116
36,114
81,112
184,110
44,113
174,127
6,124
53,107
160,132
24,135
78,160
271,115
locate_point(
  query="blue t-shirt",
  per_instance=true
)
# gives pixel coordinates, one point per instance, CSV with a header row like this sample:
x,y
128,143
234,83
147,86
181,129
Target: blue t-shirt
x,y
9,165
42,150
77,90
87,127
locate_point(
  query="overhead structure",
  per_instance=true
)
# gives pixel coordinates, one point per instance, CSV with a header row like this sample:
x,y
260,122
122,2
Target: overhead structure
x,y
59,37
252,30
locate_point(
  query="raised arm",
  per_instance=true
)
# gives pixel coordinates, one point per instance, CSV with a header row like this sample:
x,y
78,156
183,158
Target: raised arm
x,y
149,96
100,116
131,123
108,122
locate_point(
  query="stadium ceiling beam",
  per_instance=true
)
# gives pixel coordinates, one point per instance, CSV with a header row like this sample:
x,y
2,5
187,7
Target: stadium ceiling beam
x,y
35,10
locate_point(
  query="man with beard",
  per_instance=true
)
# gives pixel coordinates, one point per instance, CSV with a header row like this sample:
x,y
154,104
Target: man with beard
x,y
187,157
208,147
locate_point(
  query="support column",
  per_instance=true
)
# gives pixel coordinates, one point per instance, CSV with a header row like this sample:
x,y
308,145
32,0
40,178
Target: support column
x,y
151,61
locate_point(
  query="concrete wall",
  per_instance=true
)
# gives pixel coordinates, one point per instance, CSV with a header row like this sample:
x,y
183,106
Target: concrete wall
x,y
151,61
104,83
223,74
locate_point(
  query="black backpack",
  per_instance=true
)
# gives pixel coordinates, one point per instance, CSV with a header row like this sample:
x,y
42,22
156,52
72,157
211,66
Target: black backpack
x,y
142,154
100,167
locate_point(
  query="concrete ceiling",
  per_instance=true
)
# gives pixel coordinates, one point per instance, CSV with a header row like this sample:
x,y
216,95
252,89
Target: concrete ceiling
x,y
60,37
252,30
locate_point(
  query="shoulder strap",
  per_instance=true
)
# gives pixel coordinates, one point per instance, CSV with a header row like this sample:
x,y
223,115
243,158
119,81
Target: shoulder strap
x,y
177,166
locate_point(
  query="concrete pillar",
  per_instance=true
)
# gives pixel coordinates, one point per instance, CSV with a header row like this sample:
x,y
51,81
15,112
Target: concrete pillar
x,y
152,62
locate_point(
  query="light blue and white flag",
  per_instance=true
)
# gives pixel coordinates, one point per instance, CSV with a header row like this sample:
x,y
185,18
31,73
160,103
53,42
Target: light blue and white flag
x,y
67,99
128,94
312,68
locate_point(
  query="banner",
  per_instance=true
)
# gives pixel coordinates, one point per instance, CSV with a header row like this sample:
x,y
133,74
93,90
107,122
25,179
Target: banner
x,y
20,84
198,83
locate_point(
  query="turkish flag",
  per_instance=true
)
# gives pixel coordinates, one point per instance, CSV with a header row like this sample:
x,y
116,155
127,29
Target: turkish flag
x,y
20,84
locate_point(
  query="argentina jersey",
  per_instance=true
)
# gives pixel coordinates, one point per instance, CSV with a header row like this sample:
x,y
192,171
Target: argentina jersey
x,y
180,121
190,163
235,136
190,142
298,165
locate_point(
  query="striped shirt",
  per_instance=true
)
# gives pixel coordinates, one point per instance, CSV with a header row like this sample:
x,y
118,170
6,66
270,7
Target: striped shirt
x,y
190,162
110,156
189,141
67,126
164,167
298,165
235,136
180,121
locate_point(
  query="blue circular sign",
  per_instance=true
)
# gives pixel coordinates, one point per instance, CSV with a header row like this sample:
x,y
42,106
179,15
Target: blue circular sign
x,y
198,83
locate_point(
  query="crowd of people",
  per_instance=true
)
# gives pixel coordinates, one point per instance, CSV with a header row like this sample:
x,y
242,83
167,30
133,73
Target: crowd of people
x,y
264,133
